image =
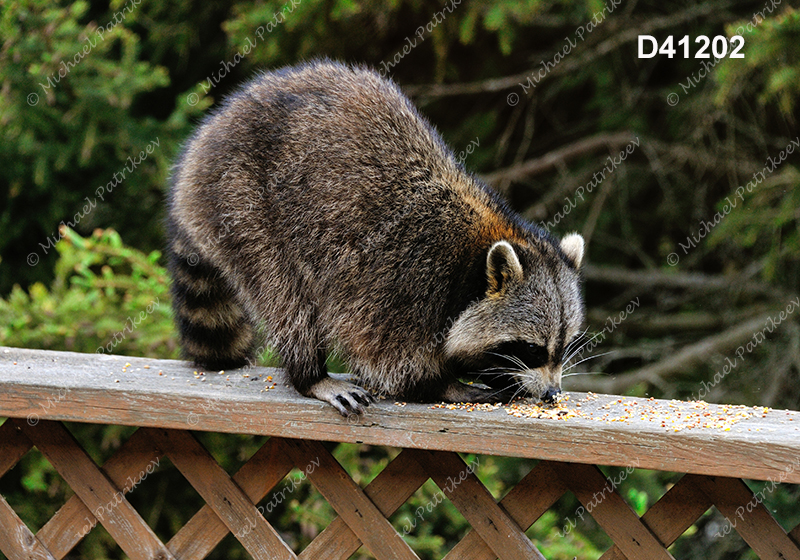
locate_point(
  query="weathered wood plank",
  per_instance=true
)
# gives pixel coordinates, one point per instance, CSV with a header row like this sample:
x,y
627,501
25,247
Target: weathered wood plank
x,y
349,501
121,520
223,495
492,523
794,534
259,475
74,520
611,512
526,502
94,388
669,517
14,446
388,491
748,516
17,542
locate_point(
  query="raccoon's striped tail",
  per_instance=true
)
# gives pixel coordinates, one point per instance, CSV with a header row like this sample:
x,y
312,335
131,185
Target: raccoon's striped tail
x,y
215,331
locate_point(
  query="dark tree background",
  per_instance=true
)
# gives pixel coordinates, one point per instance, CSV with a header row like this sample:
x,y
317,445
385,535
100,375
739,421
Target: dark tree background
x,y
699,222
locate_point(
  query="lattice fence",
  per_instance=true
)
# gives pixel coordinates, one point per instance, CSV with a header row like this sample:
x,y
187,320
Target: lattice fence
x,y
498,529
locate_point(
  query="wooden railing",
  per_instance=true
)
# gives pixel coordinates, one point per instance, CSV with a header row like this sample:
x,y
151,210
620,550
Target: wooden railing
x,y
716,446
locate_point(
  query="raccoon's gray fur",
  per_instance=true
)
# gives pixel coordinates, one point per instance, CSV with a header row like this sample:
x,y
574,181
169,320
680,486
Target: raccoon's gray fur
x,y
319,203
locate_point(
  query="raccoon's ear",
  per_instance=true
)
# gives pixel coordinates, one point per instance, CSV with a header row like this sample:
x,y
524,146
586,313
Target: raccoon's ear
x,y
502,267
572,245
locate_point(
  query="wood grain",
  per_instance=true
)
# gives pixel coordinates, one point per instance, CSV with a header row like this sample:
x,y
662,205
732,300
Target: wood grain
x,y
204,531
669,517
495,527
611,512
74,520
747,515
526,502
100,391
794,534
227,500
388,491
350,502
16,540
96,491
15,446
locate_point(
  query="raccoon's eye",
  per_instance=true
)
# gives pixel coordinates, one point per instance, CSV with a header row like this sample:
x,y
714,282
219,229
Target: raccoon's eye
x,y
532,355
536,356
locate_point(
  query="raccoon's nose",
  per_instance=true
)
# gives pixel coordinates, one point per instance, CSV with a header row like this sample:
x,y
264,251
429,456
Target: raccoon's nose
x,y
550,395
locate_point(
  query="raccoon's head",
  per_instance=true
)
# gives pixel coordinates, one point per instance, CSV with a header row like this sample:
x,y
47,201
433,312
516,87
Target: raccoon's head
x,y
517,334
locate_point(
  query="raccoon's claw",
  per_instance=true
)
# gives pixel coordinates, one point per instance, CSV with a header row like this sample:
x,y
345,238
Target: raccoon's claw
x,y
351,403
345,397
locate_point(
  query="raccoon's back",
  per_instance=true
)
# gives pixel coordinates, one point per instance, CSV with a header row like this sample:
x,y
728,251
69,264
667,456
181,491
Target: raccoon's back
x,y
330,172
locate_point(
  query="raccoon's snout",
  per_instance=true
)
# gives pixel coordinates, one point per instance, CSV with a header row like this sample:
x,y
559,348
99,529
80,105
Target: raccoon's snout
x,y
550,396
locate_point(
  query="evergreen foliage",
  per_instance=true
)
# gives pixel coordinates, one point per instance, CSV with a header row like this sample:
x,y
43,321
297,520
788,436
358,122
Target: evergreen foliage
x,y
700,220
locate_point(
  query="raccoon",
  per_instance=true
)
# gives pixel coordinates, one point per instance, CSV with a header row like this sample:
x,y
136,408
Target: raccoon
x,y
317,205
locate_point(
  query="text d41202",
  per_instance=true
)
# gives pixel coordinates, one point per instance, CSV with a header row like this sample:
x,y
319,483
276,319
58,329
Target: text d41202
x,y
720,47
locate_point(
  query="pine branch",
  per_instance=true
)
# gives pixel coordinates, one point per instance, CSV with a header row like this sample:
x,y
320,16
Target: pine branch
x,y
572,63
550,160
688,357
652,280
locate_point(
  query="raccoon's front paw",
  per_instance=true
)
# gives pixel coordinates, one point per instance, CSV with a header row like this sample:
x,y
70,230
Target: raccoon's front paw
x,y
345,397
458,392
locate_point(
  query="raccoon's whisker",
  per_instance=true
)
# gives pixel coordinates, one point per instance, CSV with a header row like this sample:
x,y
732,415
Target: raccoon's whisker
x,y
576,345
516,384
592,338
586,359
578,339
512,359
578,349
519,390
499,371
519,387
504,356
505,369
577,352
489,371
585,373
500,391
494,371
520,363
